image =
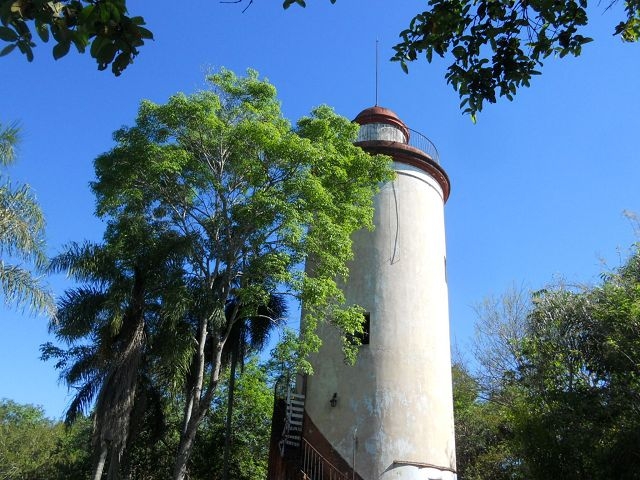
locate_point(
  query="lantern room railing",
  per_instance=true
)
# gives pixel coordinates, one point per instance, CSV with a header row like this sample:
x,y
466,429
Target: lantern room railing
x,y
421,142
381,131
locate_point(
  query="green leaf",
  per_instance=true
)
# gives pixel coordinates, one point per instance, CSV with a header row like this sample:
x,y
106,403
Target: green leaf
x,y
144,33
97,44
28,51
85,13
7,50
80,40
8,35
61,49
105,55
42,30
120,63
459,52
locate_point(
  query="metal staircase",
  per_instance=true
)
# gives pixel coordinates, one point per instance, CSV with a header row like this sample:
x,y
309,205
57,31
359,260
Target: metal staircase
x,y
292,456
292,432
315,467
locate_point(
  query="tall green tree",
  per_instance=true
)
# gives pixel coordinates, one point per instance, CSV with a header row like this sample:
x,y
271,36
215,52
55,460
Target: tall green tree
x,y
252,198
249,336
132,286
564,387
580,374
250,422
22,236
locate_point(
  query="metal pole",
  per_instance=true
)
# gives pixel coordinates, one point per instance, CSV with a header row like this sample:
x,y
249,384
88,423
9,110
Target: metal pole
x,y
355,446
376,72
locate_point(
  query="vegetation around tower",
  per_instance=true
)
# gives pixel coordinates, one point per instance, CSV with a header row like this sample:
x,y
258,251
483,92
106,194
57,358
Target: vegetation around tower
x,y
555,392
557,388
213,202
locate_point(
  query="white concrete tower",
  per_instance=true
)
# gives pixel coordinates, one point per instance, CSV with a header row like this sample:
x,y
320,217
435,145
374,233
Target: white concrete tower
x,y
391,415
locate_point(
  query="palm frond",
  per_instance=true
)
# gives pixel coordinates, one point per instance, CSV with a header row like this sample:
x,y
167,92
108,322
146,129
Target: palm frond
x,y
9,138
20,287
21,225
49,351
79,311
172,347
88,366
251,327
82,401
21,237
266,319
87,262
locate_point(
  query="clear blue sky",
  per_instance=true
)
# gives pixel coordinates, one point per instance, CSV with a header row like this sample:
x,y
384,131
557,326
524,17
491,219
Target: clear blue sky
x,y
538,185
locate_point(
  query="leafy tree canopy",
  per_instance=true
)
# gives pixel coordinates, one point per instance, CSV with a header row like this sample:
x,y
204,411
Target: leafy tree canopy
x,y
113,37
561,384
497,46
256,197
33,446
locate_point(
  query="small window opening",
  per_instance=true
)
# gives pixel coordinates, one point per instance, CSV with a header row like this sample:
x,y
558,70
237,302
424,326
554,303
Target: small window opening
x,y
366,329
363,336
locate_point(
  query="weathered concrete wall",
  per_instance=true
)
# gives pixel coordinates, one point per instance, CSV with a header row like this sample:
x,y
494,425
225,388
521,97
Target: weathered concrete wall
x,y
395,404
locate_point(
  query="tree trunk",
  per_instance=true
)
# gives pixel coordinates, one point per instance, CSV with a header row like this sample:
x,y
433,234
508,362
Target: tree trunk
x,y
117,394
227,433
188,438
184,451
101,461
200,403
114,465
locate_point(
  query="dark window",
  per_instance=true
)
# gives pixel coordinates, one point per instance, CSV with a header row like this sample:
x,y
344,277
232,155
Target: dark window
x,y
366,329
363,337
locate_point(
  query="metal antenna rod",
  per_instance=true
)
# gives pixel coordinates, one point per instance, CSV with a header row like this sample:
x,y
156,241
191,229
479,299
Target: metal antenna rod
x,y
376,72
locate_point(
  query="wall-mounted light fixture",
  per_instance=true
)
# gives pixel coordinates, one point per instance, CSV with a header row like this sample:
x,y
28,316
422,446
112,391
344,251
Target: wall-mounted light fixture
x,y
334,400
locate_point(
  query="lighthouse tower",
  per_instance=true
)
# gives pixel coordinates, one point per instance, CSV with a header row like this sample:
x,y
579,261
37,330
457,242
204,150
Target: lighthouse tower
x,y
390,416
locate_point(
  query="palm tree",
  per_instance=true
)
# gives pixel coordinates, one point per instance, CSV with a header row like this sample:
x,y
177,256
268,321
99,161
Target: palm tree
x,y
108,324
249,334
21,236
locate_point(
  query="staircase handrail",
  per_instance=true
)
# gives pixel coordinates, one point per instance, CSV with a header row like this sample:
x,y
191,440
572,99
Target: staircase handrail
x,y
331,466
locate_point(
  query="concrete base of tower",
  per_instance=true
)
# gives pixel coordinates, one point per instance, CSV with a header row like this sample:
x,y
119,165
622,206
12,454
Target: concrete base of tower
x,y
407,471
